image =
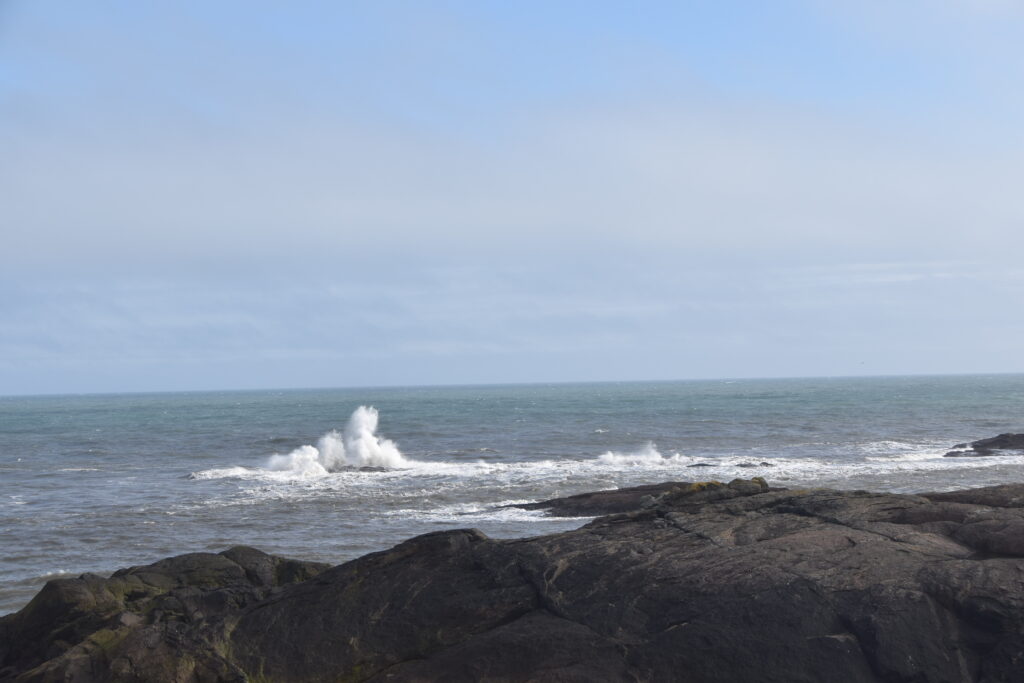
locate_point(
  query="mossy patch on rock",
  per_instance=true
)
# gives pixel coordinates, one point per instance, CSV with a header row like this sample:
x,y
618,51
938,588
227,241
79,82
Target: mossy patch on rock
x,y
704,486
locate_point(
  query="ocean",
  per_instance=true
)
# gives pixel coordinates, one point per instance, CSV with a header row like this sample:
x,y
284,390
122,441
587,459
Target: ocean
x,y
92,483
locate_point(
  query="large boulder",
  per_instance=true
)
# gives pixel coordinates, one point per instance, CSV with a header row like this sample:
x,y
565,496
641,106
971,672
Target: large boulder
x,y
142,623
733,582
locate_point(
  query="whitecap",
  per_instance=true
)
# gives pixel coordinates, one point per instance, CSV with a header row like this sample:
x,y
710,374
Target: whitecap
x,y
648,455
357,446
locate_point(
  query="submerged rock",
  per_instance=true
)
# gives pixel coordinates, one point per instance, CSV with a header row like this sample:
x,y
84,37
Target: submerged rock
x,y
997,445
697,581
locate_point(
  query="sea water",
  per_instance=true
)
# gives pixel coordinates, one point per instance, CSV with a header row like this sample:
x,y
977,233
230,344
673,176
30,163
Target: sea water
x,y
95,483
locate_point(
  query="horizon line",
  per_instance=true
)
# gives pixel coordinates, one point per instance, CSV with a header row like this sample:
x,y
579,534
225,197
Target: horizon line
x,y
378,387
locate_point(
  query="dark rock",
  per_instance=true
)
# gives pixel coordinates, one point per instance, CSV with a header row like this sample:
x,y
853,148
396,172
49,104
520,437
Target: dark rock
x,y
602,502
537,646
1002,496
696,582
1001,442
640,497
748,486
142,623
985,447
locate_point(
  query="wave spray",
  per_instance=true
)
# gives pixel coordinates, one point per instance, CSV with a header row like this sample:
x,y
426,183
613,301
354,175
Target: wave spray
x,y
358,445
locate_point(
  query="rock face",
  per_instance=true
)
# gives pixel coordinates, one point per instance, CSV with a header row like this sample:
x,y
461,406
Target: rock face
x,y
710,582
143,623
993,446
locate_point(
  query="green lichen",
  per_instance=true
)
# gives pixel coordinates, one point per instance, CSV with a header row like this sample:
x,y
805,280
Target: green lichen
x,y
353,675
704,486
107,639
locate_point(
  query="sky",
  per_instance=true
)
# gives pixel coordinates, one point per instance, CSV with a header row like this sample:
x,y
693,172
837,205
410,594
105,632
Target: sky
x,y
238,195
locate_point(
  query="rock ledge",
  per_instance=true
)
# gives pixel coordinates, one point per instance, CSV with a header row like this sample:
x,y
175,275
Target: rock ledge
x,y
1004,444
696,581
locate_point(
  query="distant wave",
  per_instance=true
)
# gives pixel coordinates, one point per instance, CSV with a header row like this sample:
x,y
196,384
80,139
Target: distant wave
x,y
646,456
357,456
356,446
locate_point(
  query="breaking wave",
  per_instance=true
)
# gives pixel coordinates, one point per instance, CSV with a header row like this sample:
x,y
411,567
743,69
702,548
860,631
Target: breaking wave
x,y
358,445
648,455
357,459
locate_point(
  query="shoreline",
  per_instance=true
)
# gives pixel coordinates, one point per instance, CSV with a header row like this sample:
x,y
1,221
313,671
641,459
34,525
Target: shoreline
x,y
739,581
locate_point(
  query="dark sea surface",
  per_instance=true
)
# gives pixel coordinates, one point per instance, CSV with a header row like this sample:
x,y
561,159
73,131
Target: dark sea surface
x,y
95,483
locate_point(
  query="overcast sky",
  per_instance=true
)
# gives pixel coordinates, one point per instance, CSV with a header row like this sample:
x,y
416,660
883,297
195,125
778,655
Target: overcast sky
x,y
217,195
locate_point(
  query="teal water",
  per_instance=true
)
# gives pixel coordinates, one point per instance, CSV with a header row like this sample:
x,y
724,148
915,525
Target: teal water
x,y
94,483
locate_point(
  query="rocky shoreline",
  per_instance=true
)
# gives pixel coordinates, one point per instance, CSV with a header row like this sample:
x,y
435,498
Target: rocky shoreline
x,y
1003,444
675,581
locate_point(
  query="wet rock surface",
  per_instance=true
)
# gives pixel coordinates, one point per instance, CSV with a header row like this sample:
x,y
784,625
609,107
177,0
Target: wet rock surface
x,y
1004,444
614,501
695,582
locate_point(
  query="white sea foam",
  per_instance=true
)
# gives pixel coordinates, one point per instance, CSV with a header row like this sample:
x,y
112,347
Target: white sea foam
x,y
303,461
470,492
896,451
358,445
648,455
225,472
357,463
332,464
465,513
